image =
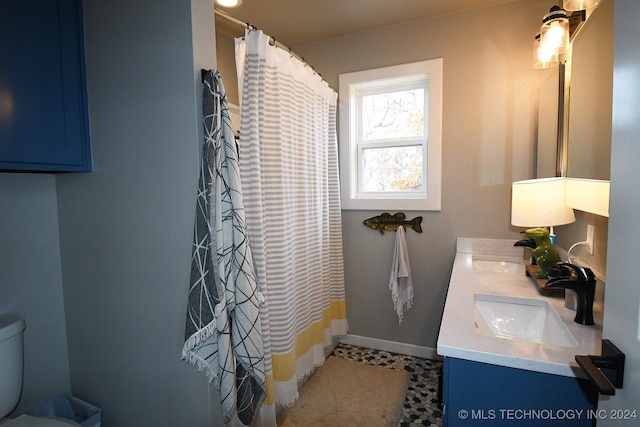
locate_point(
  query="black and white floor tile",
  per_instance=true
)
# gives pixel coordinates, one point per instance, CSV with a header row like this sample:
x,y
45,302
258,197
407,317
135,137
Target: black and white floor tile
x,y
421,405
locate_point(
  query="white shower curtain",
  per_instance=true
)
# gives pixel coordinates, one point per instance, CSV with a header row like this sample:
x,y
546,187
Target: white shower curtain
x,y
289,173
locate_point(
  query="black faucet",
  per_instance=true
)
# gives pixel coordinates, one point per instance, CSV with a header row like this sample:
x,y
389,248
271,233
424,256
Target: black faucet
x,y
582,281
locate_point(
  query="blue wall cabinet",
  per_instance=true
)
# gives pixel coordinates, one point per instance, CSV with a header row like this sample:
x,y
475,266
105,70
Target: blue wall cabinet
x,y
44,120
481,394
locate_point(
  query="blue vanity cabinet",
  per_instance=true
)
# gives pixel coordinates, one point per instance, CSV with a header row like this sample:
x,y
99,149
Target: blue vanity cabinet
x,y
482,394
44,120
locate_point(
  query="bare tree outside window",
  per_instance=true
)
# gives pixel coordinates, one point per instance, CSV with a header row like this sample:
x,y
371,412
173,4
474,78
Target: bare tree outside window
x,y
393,116
392,169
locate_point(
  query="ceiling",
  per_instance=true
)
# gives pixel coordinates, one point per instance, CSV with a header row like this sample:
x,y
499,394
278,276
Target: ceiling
x,y
294,22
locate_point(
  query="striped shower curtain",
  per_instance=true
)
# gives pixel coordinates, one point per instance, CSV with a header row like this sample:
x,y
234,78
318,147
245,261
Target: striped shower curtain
x,y
289,174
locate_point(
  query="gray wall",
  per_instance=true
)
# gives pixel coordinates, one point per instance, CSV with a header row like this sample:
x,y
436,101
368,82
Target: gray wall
x,y
622,301
126,228
31,281
489,130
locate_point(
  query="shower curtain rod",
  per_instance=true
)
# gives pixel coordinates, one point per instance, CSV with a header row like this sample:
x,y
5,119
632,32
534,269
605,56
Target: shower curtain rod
x,y
272,39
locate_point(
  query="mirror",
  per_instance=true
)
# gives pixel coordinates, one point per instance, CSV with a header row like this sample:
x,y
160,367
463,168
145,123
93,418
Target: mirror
x,y
551,152
590,77
574,122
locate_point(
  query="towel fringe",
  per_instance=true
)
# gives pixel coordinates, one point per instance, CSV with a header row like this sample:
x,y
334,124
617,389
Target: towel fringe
x,y
201,335
405,307
192,357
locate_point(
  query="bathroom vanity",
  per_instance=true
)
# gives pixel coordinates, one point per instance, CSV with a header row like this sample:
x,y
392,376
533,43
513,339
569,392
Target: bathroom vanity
x,y
509,352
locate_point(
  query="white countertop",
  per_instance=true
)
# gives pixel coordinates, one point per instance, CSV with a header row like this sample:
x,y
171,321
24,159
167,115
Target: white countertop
x,y
458,337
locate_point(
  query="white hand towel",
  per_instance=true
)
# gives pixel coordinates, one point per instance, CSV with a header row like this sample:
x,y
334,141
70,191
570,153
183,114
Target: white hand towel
x,y
400,283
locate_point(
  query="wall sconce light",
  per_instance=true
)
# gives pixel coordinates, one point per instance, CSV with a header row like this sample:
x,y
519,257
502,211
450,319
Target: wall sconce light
x,y
554,32
540,203
557,30
580,4
229,3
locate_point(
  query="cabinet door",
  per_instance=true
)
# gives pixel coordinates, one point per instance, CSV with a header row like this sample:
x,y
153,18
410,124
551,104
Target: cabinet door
x,y
481,394
44,122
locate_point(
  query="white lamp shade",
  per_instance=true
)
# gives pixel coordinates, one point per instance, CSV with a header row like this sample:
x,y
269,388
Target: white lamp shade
x,y
588,195
540,203
579,4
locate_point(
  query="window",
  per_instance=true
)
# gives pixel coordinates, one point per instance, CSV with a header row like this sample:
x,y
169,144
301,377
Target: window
x,y
390,137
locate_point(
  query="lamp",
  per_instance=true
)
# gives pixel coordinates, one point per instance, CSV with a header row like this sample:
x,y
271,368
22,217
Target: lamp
x,y
588,195
549,51
580,4
540,203
554,32
543,57
229,3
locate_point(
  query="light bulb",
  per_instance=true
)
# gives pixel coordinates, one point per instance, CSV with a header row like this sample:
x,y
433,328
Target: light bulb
x,y
543,56
554,32
580,4
229,3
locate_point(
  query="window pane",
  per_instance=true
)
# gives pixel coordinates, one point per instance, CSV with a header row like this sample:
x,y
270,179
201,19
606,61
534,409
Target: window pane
x,y
392,169
393,115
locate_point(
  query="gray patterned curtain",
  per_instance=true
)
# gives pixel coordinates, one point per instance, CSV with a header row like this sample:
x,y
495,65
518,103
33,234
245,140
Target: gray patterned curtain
x,y
223,331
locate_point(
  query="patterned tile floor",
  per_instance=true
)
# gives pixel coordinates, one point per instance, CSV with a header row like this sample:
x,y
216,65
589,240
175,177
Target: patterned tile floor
x,y
421,406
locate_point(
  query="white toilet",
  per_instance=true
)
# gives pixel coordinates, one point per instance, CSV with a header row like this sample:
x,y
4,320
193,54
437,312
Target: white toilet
x,y
11,369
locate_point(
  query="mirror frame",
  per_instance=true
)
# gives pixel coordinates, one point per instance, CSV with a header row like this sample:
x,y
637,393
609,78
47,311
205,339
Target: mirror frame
x,y
562,150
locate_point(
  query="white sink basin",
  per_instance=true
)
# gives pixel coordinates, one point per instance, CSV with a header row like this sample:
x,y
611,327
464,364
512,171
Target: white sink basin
x,y
527,319
495,265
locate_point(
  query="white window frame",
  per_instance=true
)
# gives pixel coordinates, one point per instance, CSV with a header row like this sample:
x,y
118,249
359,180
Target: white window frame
x,y
350,83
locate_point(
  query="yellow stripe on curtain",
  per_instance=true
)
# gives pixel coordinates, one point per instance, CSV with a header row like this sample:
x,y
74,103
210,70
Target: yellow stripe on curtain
x,y
284,365
270,397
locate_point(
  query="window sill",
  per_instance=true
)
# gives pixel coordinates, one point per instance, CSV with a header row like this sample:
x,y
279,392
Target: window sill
x,y
391,204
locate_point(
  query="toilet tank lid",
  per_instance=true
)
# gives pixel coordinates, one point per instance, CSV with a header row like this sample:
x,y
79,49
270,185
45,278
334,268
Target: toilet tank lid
x,y
10,325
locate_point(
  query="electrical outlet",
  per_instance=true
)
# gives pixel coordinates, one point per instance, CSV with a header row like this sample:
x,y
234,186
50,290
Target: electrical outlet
x,y
591,230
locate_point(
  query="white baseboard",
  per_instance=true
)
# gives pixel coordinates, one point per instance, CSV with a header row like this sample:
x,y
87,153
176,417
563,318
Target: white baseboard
x,y
391,346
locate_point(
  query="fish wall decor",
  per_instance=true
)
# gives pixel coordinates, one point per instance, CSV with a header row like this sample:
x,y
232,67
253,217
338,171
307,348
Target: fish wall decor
x,y
387,222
